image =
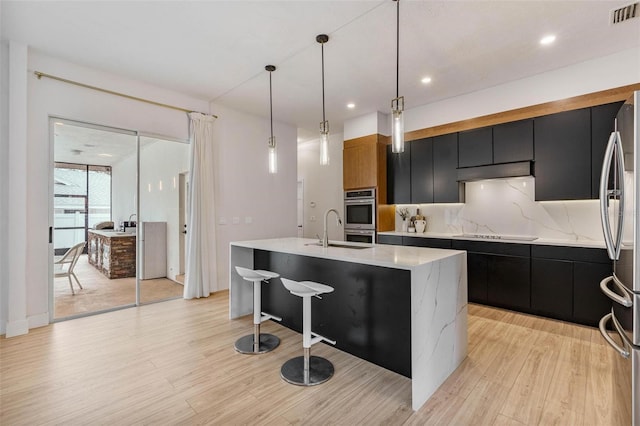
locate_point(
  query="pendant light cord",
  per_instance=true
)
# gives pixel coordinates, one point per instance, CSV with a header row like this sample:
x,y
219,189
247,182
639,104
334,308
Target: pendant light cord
x,y
397,48
271,104
323,114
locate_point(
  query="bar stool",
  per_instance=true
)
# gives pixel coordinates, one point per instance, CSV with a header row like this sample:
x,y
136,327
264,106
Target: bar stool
x,y
257,343
307,370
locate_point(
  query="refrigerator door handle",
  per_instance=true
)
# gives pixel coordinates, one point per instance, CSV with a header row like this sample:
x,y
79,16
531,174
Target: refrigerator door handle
x,y
605,194
603,330
621,199
622,300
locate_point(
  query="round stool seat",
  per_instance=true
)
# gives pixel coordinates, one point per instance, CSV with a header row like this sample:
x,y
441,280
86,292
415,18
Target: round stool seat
x,y
319,288
298,289
253,275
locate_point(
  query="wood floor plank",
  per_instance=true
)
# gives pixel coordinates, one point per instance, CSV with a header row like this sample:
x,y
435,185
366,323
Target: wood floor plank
x,y
174,363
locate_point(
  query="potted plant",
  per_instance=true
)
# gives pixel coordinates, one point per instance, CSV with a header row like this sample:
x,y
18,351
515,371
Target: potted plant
x,y
403,212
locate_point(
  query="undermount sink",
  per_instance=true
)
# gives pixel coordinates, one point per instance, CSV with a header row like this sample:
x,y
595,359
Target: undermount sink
x,y
349,246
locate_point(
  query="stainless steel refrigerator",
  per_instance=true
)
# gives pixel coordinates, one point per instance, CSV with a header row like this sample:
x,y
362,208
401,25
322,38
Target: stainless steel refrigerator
x,y
620,214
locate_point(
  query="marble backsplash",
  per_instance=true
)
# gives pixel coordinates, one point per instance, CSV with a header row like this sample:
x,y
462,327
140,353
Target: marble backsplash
x,y
507,207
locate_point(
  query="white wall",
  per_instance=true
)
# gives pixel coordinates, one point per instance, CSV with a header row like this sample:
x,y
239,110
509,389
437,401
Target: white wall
x,y
244,188
322,187
123,188
4,176
47,97
620,69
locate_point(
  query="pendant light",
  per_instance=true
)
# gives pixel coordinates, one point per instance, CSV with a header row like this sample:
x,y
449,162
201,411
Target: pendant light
x,y
397,104
324,126
273,156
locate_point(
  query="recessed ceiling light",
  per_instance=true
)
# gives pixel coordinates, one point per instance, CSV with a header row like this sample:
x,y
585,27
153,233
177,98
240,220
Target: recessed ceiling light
x,y
105,155
426,80
351,105
547,39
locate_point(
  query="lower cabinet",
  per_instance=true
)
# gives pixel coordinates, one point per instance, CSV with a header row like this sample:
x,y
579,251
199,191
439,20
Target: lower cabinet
x,y
551,281
508,282
552,288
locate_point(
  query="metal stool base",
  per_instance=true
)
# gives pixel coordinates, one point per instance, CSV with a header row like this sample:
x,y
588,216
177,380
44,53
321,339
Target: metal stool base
x,y
320,370
268,342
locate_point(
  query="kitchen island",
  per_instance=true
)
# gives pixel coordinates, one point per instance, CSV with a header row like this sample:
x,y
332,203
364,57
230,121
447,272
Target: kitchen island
x,y
113,253
403,308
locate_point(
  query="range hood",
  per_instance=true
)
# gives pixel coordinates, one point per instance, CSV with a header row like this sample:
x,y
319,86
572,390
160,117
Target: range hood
x,y
495,171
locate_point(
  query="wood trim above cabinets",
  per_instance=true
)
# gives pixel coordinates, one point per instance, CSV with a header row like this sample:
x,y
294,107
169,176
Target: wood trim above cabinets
x,y
364,164
576,102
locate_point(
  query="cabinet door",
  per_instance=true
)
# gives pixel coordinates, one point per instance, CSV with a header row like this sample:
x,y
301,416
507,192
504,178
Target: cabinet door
x,y
426,242
445,163
589,303
477,274
563,155
552,288
509,283
475,147
359,170
399,176
513,142
602,124
422,171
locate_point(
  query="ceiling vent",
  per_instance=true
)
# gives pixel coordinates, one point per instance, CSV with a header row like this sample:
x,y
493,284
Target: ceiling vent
x,y
625,13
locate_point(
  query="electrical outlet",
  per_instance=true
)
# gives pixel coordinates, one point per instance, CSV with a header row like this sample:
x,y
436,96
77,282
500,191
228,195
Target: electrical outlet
x,y
222,221
312,219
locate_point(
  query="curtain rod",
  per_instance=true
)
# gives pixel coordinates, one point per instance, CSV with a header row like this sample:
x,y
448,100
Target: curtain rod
x,y
111,92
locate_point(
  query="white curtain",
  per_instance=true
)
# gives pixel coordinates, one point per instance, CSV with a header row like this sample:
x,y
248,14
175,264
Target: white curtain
x,y
200,271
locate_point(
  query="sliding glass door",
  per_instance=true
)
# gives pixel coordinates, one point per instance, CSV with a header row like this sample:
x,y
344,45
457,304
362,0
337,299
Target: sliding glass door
x,y
121,196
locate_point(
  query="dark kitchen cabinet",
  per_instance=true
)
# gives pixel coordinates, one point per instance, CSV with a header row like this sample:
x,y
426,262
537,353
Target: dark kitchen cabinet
x,y
445,163
509,285
552,288
563,155
399,175
390,239
422,171
589,302
498,274
513,142
477,277
475,147
602,124
426,242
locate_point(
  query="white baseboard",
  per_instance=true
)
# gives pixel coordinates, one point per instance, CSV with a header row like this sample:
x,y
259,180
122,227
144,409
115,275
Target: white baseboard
x,y
17,328
39,320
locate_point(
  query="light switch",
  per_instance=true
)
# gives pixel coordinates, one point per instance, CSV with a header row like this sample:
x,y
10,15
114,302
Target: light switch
x,y
236,220
248,220
312,219
222,221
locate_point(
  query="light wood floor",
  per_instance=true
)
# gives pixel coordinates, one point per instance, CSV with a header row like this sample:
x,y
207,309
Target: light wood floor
x,y
100,293
174,363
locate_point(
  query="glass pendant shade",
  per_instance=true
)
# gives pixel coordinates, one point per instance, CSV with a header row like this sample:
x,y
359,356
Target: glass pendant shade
x,y
397,126
273,156
324,146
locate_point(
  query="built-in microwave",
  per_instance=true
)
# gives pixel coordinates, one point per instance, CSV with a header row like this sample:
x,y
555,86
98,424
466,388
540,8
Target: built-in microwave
x,y
360,209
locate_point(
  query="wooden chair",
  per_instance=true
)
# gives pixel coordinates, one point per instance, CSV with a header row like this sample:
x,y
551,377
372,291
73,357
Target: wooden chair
x,y
64,265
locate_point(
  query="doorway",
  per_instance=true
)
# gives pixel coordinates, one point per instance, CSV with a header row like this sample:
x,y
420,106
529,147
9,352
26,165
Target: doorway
x,y
110,189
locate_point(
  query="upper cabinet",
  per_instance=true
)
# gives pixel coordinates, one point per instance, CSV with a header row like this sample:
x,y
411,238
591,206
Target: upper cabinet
x,y
364,164
445,175
563,155
475,147
399,175
422,170
513,142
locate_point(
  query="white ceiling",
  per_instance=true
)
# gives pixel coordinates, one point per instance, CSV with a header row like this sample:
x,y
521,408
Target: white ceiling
x,y
217,50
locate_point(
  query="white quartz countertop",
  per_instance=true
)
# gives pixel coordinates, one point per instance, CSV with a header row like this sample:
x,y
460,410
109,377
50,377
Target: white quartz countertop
x,y
512,240
390,256
112,233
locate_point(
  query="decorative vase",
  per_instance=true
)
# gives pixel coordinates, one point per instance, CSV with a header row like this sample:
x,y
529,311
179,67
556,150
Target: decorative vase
x,y
405,225
421,225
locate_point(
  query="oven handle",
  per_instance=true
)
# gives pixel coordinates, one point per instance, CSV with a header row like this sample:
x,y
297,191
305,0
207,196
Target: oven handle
x,y
361,201
603,330
622,300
